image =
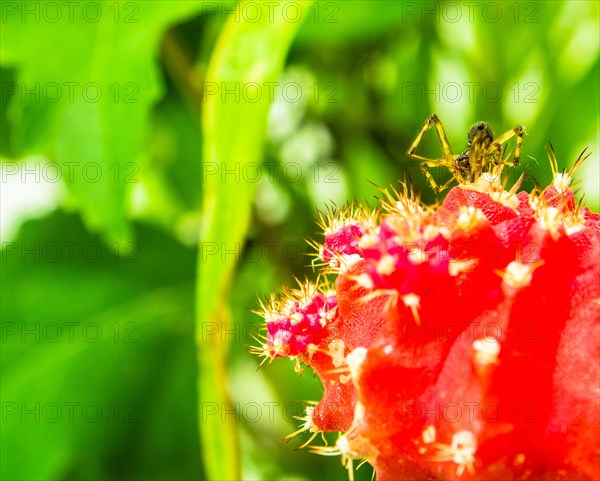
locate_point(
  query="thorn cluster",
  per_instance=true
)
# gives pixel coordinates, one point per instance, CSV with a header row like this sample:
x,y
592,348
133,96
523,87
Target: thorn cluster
x,y
460,341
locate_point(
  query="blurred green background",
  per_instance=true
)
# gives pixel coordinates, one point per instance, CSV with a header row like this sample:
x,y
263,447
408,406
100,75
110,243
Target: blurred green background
x,y
162,163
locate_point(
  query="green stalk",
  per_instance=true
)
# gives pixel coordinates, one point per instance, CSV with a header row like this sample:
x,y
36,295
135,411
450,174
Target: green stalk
x,y
234,131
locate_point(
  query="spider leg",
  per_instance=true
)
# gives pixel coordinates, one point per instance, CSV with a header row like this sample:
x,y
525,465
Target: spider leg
x,y
437,163
446,149
477,158
506,157
499,156
517,153
447,160
495,146
428,175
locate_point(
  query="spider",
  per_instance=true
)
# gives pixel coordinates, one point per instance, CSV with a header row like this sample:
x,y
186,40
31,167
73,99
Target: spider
x,y
467,166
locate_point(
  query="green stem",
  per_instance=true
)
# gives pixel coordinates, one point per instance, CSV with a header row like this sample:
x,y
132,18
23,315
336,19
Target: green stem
x,y
233,134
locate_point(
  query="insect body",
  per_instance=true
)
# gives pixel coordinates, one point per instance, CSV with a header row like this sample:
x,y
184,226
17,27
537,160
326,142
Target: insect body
x,y
482,150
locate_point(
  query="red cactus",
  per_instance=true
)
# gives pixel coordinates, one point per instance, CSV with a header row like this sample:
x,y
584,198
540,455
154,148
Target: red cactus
x,y
461,342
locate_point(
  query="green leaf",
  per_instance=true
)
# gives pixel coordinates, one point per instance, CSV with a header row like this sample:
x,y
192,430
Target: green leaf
x,y
234,132
85,84
97,357
342,22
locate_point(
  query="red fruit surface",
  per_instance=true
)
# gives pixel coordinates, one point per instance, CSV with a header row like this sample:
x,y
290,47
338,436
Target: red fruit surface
x,y
462,342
